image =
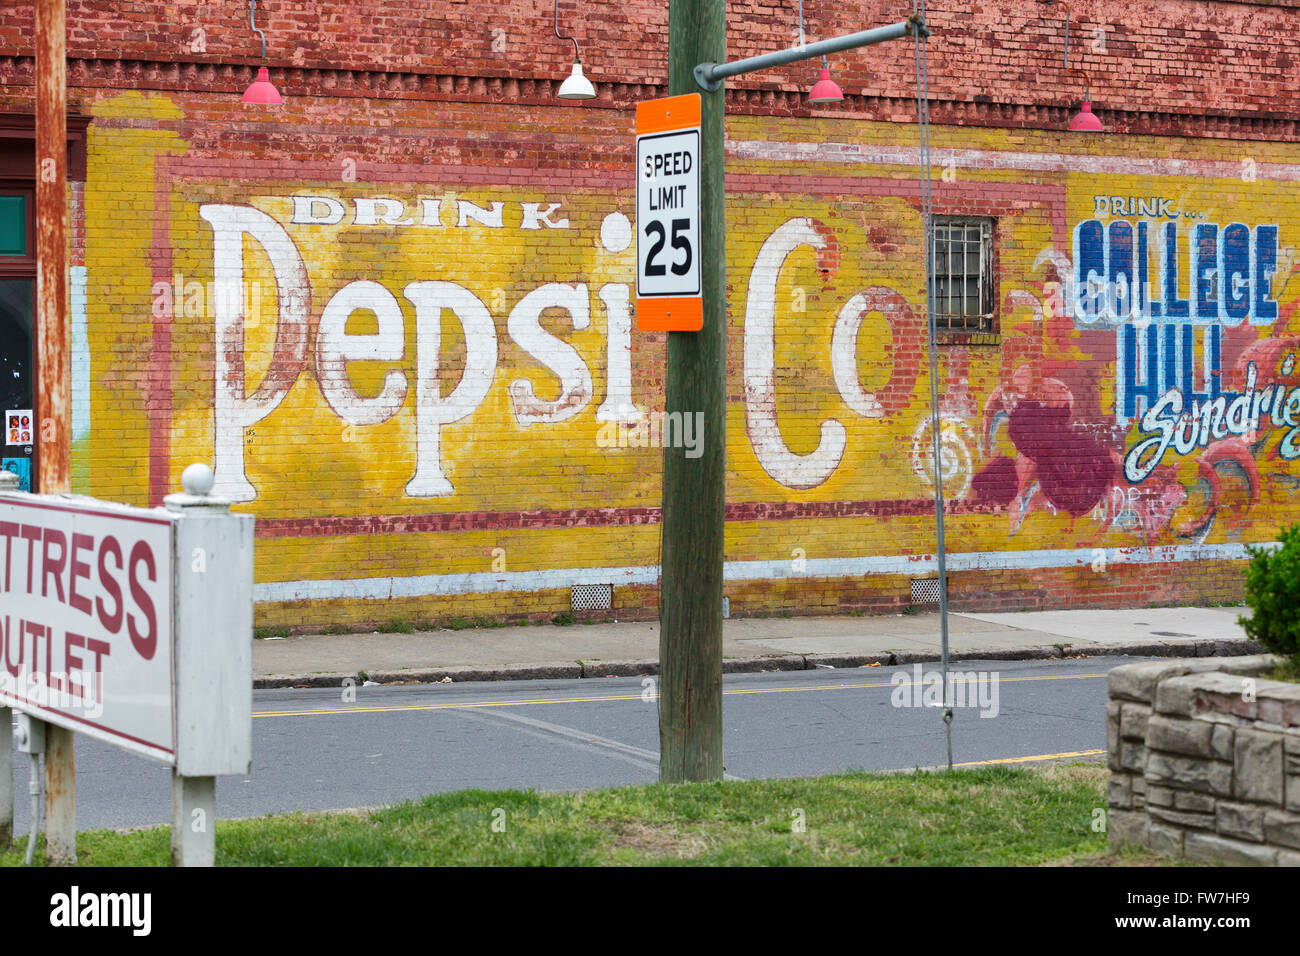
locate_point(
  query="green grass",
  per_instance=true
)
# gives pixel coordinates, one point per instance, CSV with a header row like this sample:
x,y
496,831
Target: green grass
x,y
1288,670
465,624
400,626
984,816
261,633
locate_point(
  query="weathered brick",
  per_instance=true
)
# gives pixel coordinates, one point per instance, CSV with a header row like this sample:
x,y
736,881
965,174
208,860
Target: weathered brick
x,y
1166,839
1282,826
1203,694
1132,756
1243,821
1182,818
1211,848
1126,826
1195,802
1138,682
1133,721
1181,736
1221,742
1113,711
1159,796
1119,795
1190,773
1279,702
1159,59
1257,766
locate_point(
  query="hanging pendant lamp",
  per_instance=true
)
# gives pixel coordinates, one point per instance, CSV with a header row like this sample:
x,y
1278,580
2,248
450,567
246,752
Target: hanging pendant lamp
x,y
576,86
261,91
825,90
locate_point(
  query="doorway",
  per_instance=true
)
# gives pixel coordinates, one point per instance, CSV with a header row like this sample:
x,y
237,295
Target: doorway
x,y
18,427
17,382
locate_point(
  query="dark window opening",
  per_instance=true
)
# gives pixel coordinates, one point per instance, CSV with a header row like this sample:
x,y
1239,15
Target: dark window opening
x,y
965,297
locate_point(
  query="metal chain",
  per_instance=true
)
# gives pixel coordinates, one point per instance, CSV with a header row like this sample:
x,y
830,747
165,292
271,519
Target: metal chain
x,y
927,207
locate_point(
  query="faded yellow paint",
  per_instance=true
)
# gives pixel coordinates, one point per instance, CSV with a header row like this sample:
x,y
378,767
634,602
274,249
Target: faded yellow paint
x,y
306,462
119,204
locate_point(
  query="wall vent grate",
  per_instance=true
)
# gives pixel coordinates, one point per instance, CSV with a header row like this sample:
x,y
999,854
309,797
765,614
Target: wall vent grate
x,y
925,591
591,597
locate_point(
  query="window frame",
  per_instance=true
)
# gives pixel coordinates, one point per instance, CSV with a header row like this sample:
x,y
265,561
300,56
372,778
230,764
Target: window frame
x,y
21,267
954,328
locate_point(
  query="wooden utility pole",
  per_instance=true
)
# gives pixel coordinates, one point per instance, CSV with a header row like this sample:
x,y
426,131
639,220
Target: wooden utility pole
x,y
690,636
54,377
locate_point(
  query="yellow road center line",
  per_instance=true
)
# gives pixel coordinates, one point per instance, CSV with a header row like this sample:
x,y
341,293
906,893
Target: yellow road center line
x,y
636,696
1069,753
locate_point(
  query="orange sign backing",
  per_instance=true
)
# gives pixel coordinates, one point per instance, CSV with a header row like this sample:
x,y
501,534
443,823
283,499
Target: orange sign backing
x,y
668,274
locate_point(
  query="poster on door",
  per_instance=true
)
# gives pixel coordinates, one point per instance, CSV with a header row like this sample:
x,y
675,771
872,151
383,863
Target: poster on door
x,y
22,467
18,426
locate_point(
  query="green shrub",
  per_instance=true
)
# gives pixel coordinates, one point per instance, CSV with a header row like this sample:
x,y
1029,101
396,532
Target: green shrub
x,y
1273,595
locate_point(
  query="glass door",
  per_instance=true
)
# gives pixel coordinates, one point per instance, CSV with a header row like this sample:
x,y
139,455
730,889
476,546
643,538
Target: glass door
x,y
17,339
17,380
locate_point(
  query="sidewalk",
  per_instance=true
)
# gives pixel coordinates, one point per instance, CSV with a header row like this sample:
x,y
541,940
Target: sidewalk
x,y
748,644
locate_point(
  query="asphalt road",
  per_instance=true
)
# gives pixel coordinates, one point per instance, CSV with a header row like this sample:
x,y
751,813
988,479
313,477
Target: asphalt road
x,y
312,750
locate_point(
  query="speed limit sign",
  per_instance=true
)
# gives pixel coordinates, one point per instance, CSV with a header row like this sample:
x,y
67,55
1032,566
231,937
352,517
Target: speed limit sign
x,y
668,215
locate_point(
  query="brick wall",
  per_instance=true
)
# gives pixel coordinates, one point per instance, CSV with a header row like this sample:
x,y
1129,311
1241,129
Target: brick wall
x,y
1163,66
454,440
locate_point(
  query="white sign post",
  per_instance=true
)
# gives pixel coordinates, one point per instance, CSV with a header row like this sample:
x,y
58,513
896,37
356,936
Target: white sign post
x,y
134,626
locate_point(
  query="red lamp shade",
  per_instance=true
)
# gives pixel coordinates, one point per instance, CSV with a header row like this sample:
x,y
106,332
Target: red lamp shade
x,y
262,91
825,90
1085,120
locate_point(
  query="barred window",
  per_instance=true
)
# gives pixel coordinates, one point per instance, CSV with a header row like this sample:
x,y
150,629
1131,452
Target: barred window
x,y
962,270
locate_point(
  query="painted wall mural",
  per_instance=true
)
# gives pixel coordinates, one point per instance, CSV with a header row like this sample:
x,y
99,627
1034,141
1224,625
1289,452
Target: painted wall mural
x,y
1169,375
430,389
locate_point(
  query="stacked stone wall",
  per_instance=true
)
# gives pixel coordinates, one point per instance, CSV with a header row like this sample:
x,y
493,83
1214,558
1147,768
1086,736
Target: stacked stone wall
x,y
1204,757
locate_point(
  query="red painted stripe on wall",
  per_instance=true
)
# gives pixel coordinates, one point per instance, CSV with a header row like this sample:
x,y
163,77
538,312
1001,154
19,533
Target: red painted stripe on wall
x,y
594,517
159,403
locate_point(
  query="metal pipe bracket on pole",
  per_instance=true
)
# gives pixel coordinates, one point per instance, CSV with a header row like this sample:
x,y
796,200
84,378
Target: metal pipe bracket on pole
x,y
695,380
710,75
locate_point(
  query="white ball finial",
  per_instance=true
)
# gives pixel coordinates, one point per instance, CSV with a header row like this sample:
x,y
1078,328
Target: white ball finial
x,y
197,479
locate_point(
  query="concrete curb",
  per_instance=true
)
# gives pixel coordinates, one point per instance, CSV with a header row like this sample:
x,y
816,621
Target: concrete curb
x,y
748,665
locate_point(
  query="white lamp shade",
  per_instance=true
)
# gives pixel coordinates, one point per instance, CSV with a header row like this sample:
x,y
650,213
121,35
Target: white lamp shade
x,y
577,86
